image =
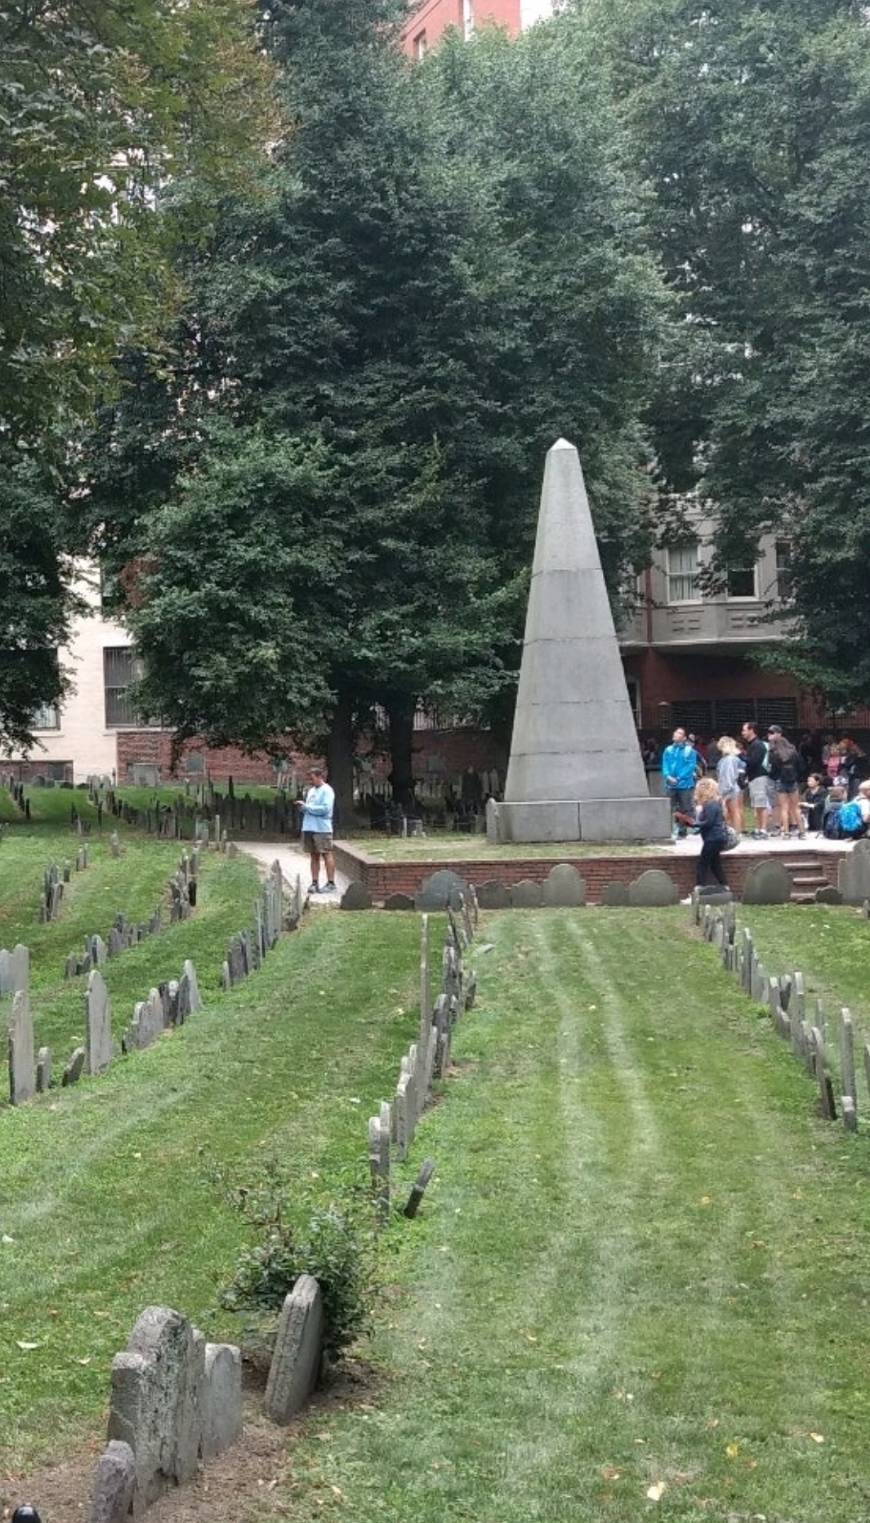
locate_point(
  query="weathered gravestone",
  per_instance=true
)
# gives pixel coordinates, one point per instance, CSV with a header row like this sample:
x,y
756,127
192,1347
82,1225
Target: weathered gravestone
x,y
296,1361
222,1398
854,874
195,998
563,887
114,1486
399,902
98,951
43,1070
615,894
237,959
114,844
828,895
356,897
98,1024
71,966
116,943
767,882
14,970
653,889
149,1020
441,889
74,1068
526,895
156,1401
22,1070
493,895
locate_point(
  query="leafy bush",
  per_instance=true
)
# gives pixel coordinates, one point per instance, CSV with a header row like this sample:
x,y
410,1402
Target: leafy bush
x,y
294,1235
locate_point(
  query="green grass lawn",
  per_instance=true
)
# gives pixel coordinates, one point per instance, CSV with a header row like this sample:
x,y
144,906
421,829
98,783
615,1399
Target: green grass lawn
x,y
643,1262
134,883
830,945
105,1189
145,798
450,846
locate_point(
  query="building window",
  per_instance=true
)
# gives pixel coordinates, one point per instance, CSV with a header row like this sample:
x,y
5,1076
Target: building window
x,y
46,717
742,582
783,570
467,19
683,574
119,671
420,46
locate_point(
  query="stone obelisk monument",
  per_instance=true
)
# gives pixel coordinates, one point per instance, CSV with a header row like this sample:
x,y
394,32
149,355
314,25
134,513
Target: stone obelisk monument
x,y
576,772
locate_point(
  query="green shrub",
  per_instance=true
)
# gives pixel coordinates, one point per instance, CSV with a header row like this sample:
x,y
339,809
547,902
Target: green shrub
x,y
294,1235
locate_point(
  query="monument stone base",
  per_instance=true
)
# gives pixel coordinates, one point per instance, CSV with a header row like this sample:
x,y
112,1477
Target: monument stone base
x,y
598,820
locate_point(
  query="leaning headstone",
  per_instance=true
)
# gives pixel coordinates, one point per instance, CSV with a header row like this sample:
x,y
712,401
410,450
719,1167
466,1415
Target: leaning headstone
x,y
298,1352
493,895
43,1070
74,1068
443,888
156,1401
356,897
767,882
98,1024
189,973
222,1399
526,895
418,1190
22,1069
114,1486
399,902
828,895
563,887
149,1020
615,894
854,874
653,889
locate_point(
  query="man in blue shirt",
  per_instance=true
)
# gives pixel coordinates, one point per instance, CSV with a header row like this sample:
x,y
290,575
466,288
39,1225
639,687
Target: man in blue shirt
x,y
318,804
680,763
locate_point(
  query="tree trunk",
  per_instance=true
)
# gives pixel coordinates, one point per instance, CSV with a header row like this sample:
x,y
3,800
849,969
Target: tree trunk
x,y
339,759
401,714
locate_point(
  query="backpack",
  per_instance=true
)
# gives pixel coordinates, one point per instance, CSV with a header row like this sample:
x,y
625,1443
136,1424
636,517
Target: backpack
x,y
765,765
831,827
850,820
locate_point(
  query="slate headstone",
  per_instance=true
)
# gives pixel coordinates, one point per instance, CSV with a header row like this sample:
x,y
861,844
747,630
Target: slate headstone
x,y
116,943
22,1068
563,887
828,895
441,889
493,895
526,895
767,882
114,1484
295,1366
653,889
356,897
190,975
74,1068
98,1024
854,873
399,902
43,1070
222,1399
156,1401
615,894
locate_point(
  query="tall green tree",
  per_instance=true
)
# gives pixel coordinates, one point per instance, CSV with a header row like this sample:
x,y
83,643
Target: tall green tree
x,y
752,122
411,311
100,106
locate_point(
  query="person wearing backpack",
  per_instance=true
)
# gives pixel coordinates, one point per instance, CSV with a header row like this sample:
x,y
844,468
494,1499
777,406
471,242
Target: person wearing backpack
x,y
853,817
757,776
784,765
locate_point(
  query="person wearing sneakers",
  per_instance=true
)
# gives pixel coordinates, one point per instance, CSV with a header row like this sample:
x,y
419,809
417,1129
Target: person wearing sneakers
x,y
318,806
757,776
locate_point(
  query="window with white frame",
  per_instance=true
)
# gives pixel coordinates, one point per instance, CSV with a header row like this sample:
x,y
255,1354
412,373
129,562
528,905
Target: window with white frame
x,y
682,572
467,19
783,570
46,717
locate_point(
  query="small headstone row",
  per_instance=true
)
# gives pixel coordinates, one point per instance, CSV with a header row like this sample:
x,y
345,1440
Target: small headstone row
x,y
176,1402
53,881
392,1130
563,888
122,936
785,997
248,949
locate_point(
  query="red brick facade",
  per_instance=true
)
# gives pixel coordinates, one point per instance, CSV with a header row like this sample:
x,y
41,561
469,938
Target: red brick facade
x,y
154,747
431,18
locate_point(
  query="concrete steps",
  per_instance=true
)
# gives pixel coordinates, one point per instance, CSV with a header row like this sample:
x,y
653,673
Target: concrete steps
x,y
807,873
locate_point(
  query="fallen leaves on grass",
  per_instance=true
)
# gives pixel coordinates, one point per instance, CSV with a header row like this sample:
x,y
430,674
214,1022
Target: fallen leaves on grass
x,y
656,1491
610,1473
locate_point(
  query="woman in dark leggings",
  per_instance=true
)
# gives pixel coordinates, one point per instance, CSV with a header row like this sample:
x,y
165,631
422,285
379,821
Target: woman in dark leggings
x,y
711,823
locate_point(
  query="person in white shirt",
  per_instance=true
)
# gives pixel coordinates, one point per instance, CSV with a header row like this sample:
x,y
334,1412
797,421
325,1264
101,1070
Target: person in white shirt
x,y
318,805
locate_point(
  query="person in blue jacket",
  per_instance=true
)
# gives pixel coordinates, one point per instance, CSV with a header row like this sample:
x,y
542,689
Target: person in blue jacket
x,y
680,764
319,807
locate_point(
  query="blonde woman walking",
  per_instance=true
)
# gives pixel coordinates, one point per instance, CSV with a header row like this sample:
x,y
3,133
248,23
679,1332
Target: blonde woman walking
x,y
729,771
710,821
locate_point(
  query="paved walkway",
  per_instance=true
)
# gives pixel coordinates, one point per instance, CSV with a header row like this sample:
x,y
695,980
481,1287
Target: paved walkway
x,y
773,846
295,864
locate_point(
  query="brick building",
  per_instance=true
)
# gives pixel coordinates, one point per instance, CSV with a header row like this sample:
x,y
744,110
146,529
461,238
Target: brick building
x,y
430,19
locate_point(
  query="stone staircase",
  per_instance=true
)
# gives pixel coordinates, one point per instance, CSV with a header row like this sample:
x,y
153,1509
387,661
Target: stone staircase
x,y
807,873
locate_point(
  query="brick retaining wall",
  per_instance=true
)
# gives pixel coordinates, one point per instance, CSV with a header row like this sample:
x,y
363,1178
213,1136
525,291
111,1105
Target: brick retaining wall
x,y
385,878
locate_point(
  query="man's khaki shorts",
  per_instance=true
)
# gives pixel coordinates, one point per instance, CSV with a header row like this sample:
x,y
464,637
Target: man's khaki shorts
x,y
317,840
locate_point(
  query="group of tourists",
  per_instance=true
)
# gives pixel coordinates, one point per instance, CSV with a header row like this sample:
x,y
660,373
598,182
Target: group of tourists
x,y
708,791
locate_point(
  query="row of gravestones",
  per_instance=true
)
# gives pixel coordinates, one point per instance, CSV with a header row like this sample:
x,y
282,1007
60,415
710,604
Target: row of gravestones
x,y
563,887
16,790
247,949
176,1400
53,880
786,999
207,821
30,1072
392,1130
122,936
